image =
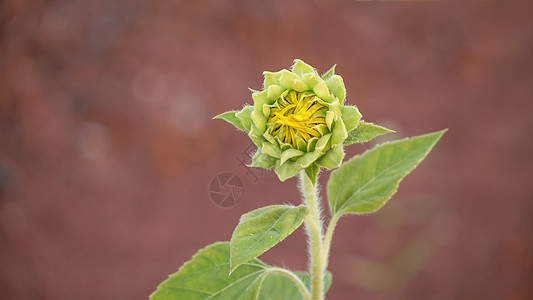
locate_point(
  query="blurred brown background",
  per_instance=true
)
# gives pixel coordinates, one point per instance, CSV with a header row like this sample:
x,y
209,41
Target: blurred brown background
x,y
107,146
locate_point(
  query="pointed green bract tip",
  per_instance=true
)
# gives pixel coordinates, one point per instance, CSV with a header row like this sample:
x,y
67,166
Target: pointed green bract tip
x,y
365,132
329,73
231,118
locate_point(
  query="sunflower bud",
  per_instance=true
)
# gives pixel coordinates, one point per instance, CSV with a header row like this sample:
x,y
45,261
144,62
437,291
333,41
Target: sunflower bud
x,y
298,121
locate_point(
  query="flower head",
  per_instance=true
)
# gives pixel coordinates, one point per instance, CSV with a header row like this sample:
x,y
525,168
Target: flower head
x,y
298,121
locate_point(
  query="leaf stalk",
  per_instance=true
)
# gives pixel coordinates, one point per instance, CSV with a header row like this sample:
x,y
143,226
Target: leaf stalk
x,y
297,281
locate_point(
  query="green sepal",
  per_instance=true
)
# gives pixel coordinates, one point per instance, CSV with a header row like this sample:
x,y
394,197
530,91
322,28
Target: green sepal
x,y
300,143
260,99
271,149
230,117
323,144
245,116
311,79
269,137
301,68
364,132
299,86
336,87
339,133
311,143
330,117
350,116
329,73
308,158
290,153
333,158
271,78
288,170
287,78
322,128
283,146
322,91
335,105
312,172
259,119
266,110
273,92
256,136
262,160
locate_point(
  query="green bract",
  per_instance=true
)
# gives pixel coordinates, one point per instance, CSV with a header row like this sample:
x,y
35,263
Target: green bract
x,y
298,121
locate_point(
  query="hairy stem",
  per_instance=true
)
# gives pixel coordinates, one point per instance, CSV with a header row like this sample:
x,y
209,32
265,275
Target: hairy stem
x,y
326,244
313,226
299,283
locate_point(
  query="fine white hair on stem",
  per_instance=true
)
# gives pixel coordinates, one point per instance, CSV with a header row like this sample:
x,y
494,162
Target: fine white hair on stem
x,y
313,226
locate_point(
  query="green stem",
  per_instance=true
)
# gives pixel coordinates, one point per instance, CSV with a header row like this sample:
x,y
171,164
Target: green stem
x,y
313,226
326,244
299,283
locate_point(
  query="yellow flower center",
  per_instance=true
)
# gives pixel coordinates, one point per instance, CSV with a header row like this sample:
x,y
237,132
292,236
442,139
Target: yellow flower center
x,y
296,116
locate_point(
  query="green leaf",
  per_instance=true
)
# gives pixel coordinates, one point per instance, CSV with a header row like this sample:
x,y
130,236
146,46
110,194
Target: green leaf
x,y
230,117
279,287
364,132
262,229
205,276
368,181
